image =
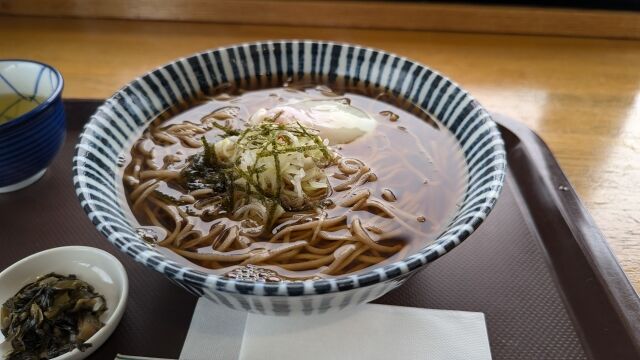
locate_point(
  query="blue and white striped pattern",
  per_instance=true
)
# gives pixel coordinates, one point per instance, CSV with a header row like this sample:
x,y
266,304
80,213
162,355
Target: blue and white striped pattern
x,y
29,141
269,64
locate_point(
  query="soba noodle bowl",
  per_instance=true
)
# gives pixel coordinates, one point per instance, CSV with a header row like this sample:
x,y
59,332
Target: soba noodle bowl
x,y
293,183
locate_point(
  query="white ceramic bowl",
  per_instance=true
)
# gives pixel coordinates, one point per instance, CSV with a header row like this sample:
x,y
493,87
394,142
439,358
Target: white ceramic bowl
x,y
95,266
269,64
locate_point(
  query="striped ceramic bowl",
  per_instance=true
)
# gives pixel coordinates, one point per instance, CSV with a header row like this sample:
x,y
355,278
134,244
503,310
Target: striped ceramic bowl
x,y
32,121
270,64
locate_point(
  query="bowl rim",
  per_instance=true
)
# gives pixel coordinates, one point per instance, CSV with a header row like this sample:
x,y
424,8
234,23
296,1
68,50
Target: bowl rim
x,y
118,310
43,105
200,282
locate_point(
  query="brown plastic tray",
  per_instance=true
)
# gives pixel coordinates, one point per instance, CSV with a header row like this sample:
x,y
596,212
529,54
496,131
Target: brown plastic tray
x,y
538,267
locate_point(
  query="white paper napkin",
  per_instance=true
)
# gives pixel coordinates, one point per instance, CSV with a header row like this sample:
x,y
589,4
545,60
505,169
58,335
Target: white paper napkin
x,y
369,332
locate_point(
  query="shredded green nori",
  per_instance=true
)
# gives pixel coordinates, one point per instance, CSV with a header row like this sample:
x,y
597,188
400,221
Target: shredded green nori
x,y
318,142
51,316
227,130
207,151
205,171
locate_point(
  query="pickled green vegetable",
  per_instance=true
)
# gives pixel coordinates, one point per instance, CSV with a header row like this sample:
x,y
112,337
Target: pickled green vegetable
x,y
51,316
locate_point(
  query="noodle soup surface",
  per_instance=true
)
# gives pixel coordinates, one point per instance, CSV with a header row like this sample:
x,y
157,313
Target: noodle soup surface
x,y
246,186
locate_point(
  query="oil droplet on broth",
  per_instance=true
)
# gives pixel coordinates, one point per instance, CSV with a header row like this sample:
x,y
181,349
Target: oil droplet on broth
x,y
253,273
122,160
150,234
388,195
393,117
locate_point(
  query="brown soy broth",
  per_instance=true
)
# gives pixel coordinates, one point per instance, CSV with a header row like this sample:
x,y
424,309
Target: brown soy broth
x,y
413,157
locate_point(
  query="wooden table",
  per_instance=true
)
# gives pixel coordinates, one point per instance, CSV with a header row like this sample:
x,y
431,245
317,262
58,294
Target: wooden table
x,y
581,95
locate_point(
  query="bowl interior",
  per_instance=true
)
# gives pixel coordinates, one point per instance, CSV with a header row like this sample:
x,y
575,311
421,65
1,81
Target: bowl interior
x,y
94,266
270,64
23,86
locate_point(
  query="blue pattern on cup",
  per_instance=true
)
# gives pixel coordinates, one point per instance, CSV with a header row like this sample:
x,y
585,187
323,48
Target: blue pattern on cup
x,y
29,140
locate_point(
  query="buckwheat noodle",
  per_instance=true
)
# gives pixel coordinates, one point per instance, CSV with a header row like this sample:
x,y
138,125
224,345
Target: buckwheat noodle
x,y
359,224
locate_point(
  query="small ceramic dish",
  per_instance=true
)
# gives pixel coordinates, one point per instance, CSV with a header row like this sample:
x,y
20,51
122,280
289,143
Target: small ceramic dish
x,y
95,266
32,121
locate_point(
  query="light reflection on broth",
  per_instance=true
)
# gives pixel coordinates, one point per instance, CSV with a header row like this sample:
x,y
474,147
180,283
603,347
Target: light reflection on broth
x,y
391,191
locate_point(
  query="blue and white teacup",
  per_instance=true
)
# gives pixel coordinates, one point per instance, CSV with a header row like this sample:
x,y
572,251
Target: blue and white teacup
x,y
32,121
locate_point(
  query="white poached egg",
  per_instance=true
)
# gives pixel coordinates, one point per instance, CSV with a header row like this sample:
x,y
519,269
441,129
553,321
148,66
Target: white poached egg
x,y
336,121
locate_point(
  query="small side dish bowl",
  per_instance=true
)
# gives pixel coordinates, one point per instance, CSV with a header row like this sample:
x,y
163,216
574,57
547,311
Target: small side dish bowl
x,y
115,125
94,266
32,121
